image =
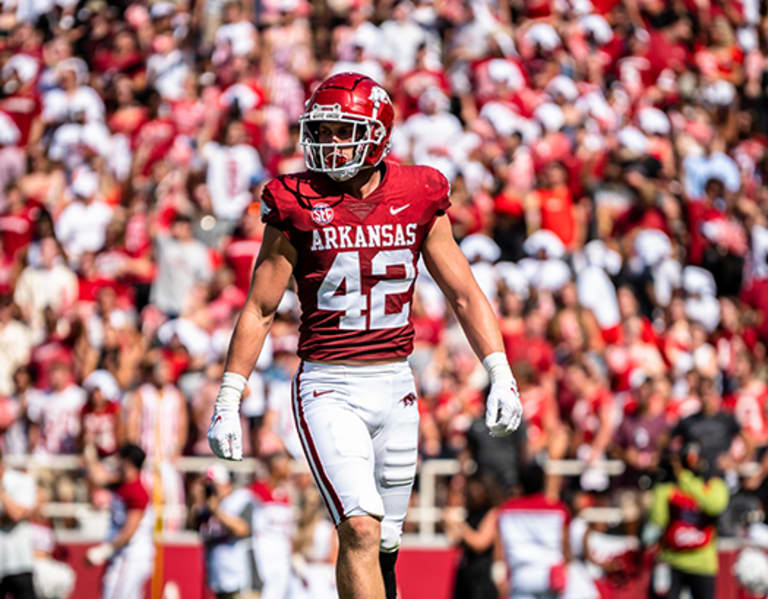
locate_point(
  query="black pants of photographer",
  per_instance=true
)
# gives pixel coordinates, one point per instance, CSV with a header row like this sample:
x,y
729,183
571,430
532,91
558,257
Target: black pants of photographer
x,y
18,586
701,587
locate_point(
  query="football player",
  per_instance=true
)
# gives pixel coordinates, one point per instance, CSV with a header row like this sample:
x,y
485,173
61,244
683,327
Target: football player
x,y
350,229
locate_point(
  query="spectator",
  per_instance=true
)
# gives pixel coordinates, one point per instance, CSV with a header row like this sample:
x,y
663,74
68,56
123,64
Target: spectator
x,y
100,418
15,343
182,261
56,412
233,168
82,225
157,421
533,536
713,430
475,535
18,498
315,547
129,550
273,527
501,457
52,284
682,516
224,524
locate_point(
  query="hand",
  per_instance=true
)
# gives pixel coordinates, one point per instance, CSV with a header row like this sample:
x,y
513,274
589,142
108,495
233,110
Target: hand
x,y
225,436
503,411
99,554
753,482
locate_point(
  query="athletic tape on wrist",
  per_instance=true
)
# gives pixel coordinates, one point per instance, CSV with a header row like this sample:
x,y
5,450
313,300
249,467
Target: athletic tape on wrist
x,y
232,387
497,366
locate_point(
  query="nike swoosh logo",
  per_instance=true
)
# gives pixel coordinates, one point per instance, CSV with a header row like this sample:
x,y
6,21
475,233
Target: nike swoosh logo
x,y
319,393
393,210
218,419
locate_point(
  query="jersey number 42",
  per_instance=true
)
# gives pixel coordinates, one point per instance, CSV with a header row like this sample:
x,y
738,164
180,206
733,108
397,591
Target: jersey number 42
x,y
346,269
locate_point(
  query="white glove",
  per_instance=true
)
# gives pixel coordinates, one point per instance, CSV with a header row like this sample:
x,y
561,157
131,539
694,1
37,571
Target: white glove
x,y
99,554
225,436
503,410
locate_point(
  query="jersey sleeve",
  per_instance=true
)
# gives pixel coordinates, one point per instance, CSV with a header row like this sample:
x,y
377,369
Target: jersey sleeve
x,y
135,497
271,214
438,191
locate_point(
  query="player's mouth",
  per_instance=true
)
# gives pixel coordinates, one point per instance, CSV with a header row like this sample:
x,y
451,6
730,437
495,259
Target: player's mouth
x,y
335,159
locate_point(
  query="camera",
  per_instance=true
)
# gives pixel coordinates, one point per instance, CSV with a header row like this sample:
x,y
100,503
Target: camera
x,y
210,490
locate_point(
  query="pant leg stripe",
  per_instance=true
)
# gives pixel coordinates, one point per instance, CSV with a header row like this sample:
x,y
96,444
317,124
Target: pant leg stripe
x,y
331,498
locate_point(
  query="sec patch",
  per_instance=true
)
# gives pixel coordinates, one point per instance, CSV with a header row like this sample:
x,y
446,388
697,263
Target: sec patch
x,y
322,214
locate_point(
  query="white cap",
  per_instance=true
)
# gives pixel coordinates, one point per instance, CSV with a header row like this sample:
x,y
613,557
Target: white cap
x,y
480,247
747,38
598,27
596,253
513,278
633,140
217,473
434,95
720,93
104,382
564,86
85,183
705,310
196,340
162,9
699,281
544,240
546,275
550,116
501,70
652,246
78,65
244,95
544,35
24,65
653,121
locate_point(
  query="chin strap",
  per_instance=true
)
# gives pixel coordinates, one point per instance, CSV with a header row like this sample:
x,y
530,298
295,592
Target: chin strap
x,y
387,562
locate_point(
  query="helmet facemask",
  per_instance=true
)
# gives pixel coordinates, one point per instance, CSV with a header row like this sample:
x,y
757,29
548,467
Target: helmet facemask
x,y
328,157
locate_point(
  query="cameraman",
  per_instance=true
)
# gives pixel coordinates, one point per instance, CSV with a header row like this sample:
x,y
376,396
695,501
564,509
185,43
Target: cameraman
x,y
682,518
223,521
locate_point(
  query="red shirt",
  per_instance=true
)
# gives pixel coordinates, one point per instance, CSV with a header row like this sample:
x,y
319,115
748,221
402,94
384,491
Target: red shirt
x,y
356,258
23,108
556,206
101,426
16,229
240,255
132,496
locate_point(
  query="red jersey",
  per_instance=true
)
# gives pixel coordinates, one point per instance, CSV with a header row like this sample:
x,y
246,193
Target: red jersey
x,y
356,258
100,426
749,405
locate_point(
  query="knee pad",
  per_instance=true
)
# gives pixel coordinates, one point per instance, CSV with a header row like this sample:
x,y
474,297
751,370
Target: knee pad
x,y
391,533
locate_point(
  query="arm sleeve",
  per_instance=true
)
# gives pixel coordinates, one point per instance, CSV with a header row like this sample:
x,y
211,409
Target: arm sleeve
x,y
712,496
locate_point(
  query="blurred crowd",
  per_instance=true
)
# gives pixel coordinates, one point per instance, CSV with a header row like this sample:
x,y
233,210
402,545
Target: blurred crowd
x,y
607,162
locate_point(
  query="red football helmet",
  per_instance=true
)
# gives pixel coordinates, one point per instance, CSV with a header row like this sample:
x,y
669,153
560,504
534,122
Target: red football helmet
x,y
354,99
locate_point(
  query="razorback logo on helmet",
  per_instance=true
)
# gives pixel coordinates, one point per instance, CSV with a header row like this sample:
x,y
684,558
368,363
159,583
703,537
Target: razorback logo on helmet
x,y
378,94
